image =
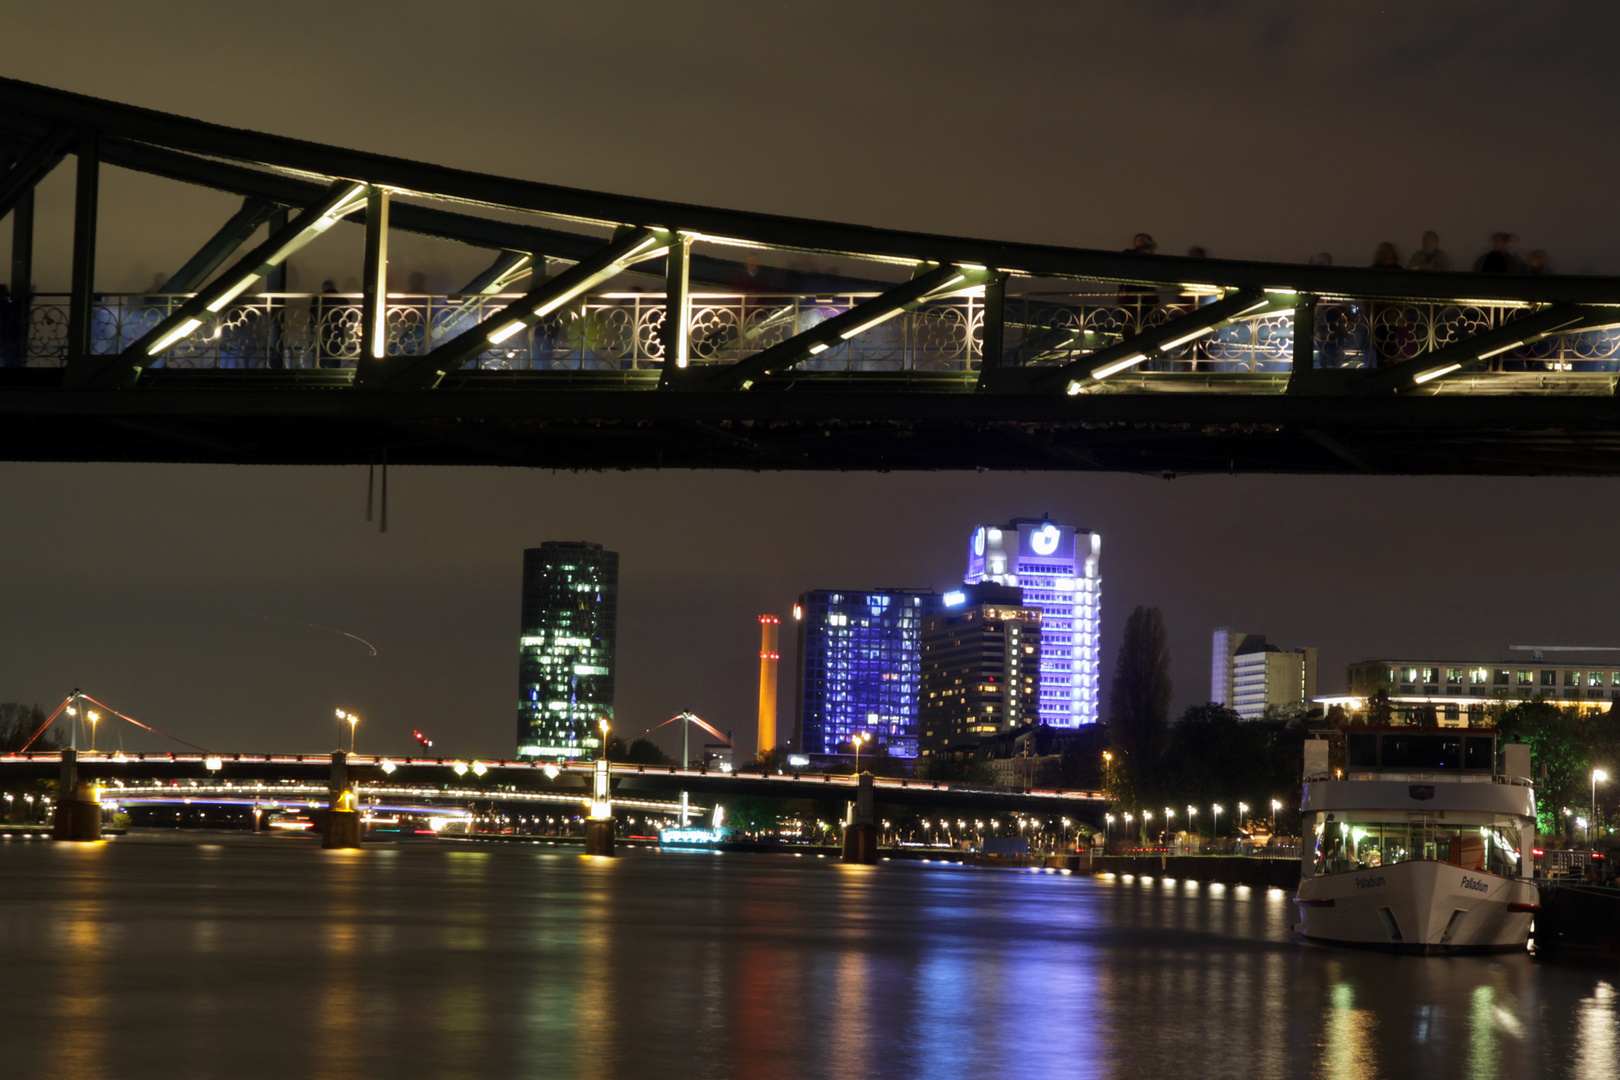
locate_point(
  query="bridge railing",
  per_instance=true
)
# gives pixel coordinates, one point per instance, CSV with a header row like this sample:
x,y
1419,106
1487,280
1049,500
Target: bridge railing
x,y
622,331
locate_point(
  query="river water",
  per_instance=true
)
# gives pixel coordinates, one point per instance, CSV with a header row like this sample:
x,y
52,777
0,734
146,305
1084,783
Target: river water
x,y
243,957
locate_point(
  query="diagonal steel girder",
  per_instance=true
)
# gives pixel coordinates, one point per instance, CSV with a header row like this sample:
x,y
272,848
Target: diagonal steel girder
x,y
221,246
509,266
1441,363
33,166
927,285
1080,375
343,197
629,246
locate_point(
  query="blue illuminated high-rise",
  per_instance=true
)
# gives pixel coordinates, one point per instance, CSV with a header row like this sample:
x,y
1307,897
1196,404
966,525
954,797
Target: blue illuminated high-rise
x,y
566,648
860,662
1056,566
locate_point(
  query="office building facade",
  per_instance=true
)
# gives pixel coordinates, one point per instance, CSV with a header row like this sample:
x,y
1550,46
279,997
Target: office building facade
x,y
1248,674
981,667
567,647
1057,567
1456,691
860,656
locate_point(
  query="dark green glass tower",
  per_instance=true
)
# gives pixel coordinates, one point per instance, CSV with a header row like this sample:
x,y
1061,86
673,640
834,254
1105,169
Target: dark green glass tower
x,y
565,659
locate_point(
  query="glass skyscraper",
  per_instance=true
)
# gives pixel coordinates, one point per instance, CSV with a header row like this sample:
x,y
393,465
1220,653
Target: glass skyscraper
x,y
566,649
860,658
1056,566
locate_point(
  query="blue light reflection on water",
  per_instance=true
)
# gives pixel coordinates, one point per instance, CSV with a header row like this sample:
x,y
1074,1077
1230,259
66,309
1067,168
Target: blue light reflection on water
x,y
270,958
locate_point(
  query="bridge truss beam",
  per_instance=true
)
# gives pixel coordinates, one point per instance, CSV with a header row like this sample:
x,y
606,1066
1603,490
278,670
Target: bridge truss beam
x,y
1037,383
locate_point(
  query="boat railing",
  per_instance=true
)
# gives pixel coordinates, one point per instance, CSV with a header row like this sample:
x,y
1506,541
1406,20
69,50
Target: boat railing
x,y
1569,863
1420,777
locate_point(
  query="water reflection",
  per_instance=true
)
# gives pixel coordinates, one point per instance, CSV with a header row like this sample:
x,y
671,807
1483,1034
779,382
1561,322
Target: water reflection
x,y
275,959
1597,1022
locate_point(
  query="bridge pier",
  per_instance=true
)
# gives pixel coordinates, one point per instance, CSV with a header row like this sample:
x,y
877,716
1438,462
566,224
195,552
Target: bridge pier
x,y
860,831
341,827
599,825
78,807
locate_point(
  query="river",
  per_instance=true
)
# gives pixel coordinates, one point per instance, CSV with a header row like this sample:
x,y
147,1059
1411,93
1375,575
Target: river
x,y
189,955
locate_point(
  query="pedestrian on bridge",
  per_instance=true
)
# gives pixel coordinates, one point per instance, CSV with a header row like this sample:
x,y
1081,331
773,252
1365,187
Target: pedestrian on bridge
x,y
1430,256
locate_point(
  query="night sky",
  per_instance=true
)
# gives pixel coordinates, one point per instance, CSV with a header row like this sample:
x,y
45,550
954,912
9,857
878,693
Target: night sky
x,y
195,598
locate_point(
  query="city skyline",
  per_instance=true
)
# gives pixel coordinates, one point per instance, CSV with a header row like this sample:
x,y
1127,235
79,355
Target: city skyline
x,y
229,638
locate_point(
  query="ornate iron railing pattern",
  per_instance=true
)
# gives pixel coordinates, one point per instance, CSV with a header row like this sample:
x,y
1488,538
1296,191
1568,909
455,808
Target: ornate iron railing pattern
x,y
622,331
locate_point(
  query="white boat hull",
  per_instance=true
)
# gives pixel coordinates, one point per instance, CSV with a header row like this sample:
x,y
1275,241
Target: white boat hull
x,y
1419,906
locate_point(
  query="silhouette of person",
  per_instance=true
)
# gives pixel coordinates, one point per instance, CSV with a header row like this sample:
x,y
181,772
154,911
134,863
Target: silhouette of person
x,y
1430,256
1501,259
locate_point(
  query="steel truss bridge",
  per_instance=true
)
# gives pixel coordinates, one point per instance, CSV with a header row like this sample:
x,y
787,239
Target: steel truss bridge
x,y
295,778
950,353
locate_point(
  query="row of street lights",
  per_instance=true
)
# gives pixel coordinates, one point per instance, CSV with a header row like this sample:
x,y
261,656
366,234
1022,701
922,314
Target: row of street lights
x,y
43,801
1216,810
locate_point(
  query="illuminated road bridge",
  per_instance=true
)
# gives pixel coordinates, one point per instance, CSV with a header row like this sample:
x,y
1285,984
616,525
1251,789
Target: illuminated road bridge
x,y
940,353
300,777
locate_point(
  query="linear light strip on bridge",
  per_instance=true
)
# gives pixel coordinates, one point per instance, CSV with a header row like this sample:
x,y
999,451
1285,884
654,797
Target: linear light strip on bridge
x,y
201,791
582,768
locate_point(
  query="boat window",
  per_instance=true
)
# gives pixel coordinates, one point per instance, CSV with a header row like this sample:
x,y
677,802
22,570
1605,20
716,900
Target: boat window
x,y
1422,752
1479,752
1362,751
1343,846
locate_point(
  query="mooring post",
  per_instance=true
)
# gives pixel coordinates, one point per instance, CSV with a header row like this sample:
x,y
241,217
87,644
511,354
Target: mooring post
x,y
343,810
860,831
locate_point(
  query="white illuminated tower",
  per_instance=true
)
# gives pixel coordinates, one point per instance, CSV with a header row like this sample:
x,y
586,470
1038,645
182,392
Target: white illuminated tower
x,y
1056,566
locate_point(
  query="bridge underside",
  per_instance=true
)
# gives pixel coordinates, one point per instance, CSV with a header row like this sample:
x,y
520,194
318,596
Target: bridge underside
x,y
292,419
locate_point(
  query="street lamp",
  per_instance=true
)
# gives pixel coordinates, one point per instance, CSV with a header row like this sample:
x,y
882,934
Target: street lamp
x,y
353,720
1243,813
1192,822
1215,821
1597,775
1275,807
857,740
1108,819
93,717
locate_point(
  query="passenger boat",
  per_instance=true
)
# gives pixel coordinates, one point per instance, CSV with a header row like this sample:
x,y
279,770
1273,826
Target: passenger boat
x,y
1422,841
